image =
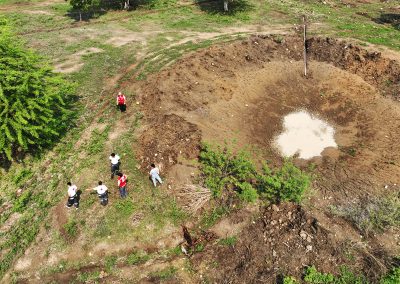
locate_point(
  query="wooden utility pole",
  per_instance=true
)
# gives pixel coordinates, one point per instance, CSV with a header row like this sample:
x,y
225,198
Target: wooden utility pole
x,y
305,45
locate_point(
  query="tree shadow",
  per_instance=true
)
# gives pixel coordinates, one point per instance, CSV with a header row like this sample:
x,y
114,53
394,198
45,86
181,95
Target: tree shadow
x,y
217,6
392,19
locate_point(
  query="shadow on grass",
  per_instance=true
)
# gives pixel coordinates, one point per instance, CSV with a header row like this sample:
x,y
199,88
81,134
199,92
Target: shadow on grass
x,y
392,19
217,6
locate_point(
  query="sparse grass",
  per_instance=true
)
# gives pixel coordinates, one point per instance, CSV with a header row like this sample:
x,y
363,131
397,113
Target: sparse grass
x,y
71,228
228,241
372,215
137,257
164,274
110,262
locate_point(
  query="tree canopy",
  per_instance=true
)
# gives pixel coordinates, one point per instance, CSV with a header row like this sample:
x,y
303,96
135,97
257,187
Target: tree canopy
x,y
34,108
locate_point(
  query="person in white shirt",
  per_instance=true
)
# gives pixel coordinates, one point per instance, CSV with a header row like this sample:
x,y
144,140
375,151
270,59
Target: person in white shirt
x,y
73,197
102,192
115,162
155,174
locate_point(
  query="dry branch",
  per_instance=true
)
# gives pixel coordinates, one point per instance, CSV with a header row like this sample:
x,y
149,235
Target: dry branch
x,y
193,197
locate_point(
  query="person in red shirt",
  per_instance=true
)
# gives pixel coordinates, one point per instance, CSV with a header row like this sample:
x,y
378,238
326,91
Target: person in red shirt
x,y
122,180
121,102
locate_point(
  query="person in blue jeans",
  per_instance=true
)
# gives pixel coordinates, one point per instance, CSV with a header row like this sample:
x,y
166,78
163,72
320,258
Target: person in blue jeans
x,y
122,180
155,175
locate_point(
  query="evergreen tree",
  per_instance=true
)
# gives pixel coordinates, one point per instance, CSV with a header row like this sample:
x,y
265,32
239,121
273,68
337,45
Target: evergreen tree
x,y
33,111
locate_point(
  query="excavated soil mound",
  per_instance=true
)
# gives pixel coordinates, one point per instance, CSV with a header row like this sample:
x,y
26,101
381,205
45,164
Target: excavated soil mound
x,y
283,241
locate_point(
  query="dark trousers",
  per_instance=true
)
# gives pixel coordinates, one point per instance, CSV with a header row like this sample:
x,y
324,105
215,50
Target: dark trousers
x,y
122,108
122,192
73,201
114,169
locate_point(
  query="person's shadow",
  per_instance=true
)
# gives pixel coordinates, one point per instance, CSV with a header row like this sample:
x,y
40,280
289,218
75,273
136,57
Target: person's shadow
x,y
78,195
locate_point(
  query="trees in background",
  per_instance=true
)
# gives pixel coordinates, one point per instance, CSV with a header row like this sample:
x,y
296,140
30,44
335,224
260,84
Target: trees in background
x,y
34,100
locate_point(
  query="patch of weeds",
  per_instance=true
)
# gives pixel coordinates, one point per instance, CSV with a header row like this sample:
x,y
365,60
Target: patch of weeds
x,y
199,248
102,229
176,214
173,252
137,257
164,274
71,228
289,280
97,141
21,177
110,262
124,207
229,241
211,218
22,201
88,276
393,277
313,276
375,214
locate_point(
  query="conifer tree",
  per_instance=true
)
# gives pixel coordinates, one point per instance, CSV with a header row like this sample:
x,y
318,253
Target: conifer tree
x,y
33,110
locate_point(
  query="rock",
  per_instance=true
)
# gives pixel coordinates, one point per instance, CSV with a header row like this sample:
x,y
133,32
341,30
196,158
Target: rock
x,y
309,248
274,254
303,235
309,239
275,208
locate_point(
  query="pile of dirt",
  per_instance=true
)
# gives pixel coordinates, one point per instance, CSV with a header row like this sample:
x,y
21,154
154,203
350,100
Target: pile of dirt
x,y
282,241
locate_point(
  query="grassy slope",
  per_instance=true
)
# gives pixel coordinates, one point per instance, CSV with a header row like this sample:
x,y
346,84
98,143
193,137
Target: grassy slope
x,y
45,177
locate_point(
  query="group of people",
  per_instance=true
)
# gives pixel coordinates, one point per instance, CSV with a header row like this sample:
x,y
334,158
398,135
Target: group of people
x,y
101,189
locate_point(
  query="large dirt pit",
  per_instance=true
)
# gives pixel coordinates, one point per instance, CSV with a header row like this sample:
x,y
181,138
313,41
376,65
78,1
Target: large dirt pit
x,y
242,91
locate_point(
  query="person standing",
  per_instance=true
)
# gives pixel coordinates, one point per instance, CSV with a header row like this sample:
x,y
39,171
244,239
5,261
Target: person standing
x,y
155,175
121,102
73,198
102,192
115,162
122,180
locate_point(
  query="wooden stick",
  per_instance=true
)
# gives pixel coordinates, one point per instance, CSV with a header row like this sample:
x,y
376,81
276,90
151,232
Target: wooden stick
x,y
305,45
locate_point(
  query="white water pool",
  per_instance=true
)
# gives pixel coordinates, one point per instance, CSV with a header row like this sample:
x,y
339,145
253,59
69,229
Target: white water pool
x,y
304,135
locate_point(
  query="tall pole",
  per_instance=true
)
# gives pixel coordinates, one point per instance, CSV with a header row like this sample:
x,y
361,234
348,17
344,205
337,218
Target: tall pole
x,y
305,45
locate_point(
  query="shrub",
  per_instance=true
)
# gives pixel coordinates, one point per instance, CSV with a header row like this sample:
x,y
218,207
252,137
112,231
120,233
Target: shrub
x,y
393,277
229,241
221,169
287,183
289,280
313,276
33,99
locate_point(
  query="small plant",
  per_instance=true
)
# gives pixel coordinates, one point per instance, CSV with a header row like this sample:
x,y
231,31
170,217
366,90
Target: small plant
x,y
209,219
125,207
199,248
137,258
88,277
97,141
229,241
165,274
289,280
110,262
393,277
71,228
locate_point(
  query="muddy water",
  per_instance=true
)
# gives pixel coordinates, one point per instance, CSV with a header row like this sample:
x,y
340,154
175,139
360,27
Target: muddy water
x,y
305,135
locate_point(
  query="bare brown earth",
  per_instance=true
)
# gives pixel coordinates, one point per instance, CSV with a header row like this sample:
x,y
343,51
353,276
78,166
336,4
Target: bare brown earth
x,y
241,91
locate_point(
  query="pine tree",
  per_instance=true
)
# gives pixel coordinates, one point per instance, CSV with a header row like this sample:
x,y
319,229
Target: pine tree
x,y
33,110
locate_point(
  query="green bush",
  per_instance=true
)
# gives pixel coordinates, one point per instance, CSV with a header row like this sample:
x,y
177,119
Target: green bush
x,y
289,280
22,176
393,277
221,169
313,276
287,183
33,99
